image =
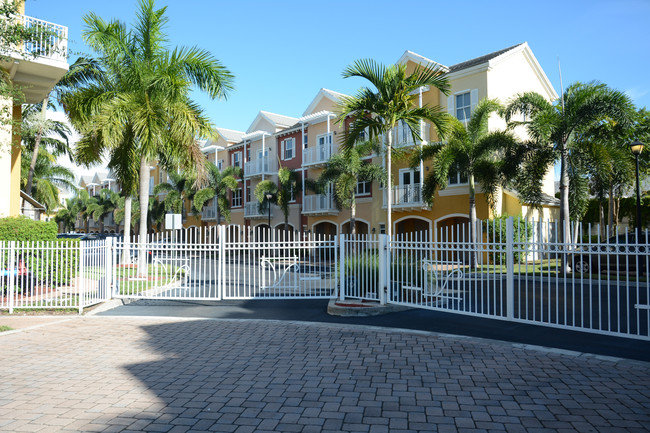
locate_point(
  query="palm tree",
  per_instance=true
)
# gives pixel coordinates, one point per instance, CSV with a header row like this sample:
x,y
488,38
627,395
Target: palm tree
x,y
552,128
120,215
394,99
178,189
141,102
47,178
473,151
344,171
219,183
156,214
103,205
66,217
283,193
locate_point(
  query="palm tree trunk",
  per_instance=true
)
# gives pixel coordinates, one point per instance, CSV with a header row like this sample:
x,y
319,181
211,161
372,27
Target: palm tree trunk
x,y
37,144
610,212
144,208
101,224
473,257
126,254
601,214
565,231
389,186
353,216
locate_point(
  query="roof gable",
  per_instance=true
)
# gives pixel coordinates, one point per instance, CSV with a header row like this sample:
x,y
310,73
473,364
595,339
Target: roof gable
x,y
276,121
420,60
323,93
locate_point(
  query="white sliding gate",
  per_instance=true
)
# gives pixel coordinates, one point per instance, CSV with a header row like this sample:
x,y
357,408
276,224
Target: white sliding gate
x,y
227,263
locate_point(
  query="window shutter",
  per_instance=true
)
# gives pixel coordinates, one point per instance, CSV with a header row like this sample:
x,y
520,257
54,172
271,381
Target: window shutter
x,y
474,98
450,105
282,150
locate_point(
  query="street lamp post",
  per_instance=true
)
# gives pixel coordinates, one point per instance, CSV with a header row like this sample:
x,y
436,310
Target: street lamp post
x,y
637,147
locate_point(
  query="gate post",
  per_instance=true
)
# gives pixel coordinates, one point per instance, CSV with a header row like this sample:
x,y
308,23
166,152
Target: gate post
x,y
12,278
108,268
221,259
510,260
383,265
341,239
80,278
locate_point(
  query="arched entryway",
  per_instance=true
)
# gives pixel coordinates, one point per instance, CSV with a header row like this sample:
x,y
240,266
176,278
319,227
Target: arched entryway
x,y
361,226
325,228
261,233
452,232
413,228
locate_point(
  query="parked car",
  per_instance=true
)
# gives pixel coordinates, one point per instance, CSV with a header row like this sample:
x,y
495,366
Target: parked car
x,y
80,236
619,253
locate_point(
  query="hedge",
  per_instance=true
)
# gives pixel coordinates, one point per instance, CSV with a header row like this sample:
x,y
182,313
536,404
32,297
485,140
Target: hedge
x,y
496,235
24,229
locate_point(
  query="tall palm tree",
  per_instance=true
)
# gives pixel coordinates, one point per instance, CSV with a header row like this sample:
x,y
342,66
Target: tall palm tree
x,y
219,183
283,192
475,152
141,103
103,205
48,178
553,126
393,100
344,171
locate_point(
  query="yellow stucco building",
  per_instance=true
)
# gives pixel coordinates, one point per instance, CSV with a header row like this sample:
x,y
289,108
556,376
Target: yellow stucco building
x,y
305,144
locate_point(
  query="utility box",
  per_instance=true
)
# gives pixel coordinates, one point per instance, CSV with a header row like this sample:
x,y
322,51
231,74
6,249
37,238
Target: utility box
x,y
173,221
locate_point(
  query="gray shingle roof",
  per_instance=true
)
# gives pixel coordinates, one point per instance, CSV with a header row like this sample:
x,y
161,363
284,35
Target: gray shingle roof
x,y
482,59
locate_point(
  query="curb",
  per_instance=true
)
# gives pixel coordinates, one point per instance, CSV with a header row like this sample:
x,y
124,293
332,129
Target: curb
x,y
367,311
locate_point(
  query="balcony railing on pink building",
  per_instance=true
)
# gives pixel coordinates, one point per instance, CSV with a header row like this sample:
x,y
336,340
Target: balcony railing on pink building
x,y
319,204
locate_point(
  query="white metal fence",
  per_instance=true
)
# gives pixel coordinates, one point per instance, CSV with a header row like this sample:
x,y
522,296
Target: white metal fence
x,y
511,272
53,274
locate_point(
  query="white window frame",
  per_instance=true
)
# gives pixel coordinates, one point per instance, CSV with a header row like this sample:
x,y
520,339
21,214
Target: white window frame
x,y
288,145
305,141
457,181
237,198
236,159
453,108
220,164
366,188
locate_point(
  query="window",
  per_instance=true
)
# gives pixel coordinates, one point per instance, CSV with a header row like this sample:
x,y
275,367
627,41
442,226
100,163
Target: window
x,y
304,141
324,139
248,155
292,197
248,194
288,147
382,228
236,198
236,159
220,164
363,188
463,107
456,177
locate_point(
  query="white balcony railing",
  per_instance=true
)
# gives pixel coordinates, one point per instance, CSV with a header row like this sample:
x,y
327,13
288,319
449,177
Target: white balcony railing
x,y
258,167
406,196
319,203
50,41
317,154
252,210
209,212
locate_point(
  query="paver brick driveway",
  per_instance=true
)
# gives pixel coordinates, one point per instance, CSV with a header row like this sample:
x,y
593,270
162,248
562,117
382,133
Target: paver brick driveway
x,y
135,374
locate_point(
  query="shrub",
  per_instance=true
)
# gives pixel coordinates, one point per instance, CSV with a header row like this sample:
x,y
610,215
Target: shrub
x,y
496,235
24,229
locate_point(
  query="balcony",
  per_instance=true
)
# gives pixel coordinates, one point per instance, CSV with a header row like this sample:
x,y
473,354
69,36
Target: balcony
x,y
209,213
252,211
406,197
260,167
319,154
319,204
37,65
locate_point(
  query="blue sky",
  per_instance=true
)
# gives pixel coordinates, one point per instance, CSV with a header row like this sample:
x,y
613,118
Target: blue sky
x,y
283,52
